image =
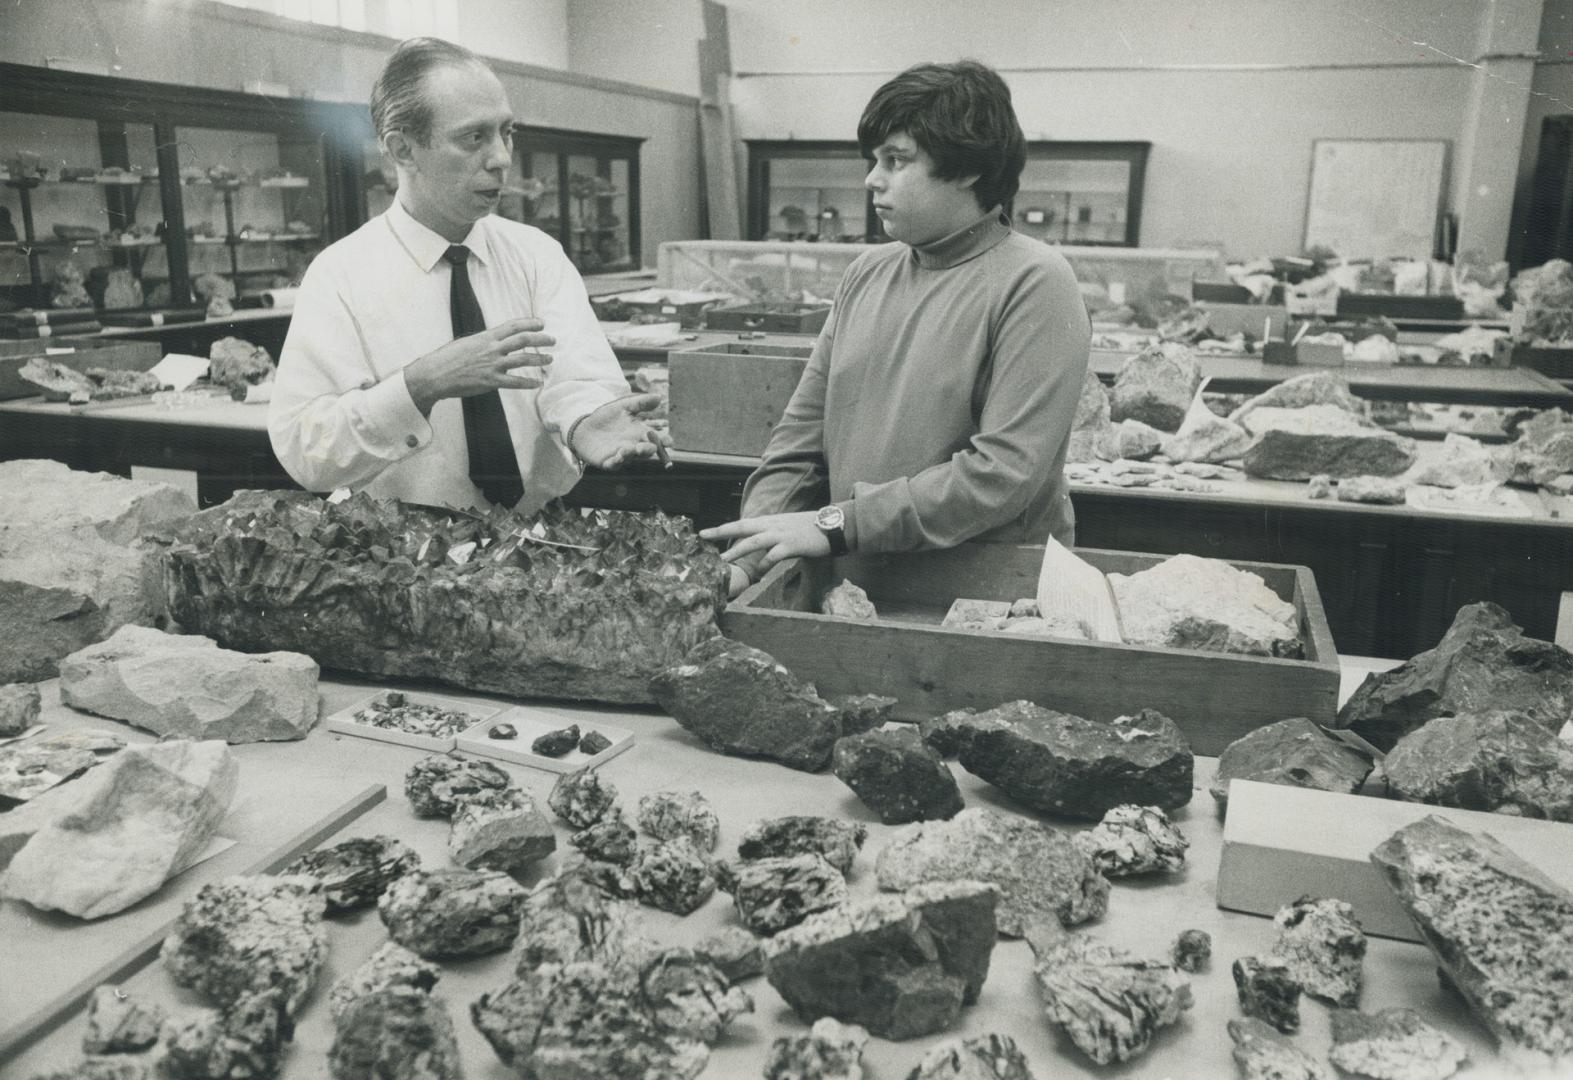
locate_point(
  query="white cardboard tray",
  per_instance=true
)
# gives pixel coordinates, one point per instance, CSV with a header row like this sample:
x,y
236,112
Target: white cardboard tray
x,y
533,721
344,721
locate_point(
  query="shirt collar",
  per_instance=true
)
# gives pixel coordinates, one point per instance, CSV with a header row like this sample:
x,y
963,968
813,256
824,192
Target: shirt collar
x,y
965,243
427,247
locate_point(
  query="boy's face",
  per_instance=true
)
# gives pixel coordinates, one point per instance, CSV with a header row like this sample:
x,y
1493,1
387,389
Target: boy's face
x,y
915,206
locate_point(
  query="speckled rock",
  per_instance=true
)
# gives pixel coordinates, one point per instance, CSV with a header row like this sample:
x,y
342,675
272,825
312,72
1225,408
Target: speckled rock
x,y
400,1033
1500,760
948,732
1377,490
582,798
1192,950
848,601
1268,990
1038,870
680,815
1189,602
1134,440
863,712
113,1067
19,708
1263,1054
245,1039
984,1057
615,882
830,1050
687,995
119,1023
897,775
735,952
672,876
1156,386
1294,753
1323,944
443,914
1297,444
568,918
436,785
500,830
774,893
1134,840
392,965
838,841
355,872
1395,1044
610,840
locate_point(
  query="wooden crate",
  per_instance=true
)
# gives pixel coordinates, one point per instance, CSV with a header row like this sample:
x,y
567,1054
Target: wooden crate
x,y
1214,697
1400,307
780,318
86,353
725,399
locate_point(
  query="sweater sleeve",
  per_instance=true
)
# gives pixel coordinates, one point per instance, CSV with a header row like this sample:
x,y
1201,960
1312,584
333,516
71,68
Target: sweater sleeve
x,y
1039,346
794,475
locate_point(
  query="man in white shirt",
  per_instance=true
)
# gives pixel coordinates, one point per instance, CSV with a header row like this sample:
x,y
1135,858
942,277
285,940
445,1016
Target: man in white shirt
x,y
414,367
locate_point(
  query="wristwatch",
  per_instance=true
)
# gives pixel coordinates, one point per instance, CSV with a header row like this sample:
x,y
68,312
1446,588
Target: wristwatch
x,y
831,521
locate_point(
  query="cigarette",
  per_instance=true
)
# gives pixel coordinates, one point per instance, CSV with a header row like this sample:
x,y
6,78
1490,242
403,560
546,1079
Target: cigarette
x,y
660,452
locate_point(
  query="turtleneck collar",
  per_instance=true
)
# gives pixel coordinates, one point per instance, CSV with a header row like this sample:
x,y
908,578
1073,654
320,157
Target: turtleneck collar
x,y
965,243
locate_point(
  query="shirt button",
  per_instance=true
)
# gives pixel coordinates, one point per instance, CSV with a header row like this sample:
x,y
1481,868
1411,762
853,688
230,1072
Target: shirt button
x,y
411,441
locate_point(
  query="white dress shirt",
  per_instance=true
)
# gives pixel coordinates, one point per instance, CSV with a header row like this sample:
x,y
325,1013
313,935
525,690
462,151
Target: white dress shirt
x,y
341,415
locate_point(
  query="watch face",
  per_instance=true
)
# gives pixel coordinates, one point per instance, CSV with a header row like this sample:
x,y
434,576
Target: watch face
x,y
830,517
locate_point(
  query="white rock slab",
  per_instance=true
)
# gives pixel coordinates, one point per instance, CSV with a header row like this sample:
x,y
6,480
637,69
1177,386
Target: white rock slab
x,y
42,493
1192,602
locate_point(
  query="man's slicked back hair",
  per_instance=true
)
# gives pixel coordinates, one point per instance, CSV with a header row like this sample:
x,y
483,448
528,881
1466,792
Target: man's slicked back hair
x,y
398,100
961,115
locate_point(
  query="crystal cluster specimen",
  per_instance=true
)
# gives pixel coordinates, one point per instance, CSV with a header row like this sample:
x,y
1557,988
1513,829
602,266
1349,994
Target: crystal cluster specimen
x,y
1394,1044
1134,840
438,785
355,872
582,798
1268,991
773,894
500,830
986,1057
453,913
1188,602
392,965
119,1024
680,815
838,841
400,1033
393,710
672,876
567,918
1263,1054
244,1039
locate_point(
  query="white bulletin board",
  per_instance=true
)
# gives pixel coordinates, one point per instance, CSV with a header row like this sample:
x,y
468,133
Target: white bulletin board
x,y
1375,198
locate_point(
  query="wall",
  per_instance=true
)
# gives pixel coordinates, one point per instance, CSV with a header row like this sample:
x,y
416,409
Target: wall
x,y
652,43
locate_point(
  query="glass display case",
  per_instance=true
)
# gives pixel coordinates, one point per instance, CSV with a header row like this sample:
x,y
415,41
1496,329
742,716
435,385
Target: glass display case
x,y
581,188
1082,193
809,191
767,271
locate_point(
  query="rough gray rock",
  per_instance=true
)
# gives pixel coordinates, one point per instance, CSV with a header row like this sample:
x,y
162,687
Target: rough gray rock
x,y
500,830
900,966
46,494
863,712
1205,436
739,700
244,935
1134,840
1294,753
613,880
355,872
848,601
185,685
1314,388
582,798
1268,990
610,840
392,965
1501,931
897,775
1063,764
437,785
680,815
1501,760
400,1033
687,995
774,893
1038,870
838,841
1188,602
118,1023
1136,441
1483,662
1323,945
568,918
1394,1044
735,952
948,732
671,875
1322,440
1192,950
1092,435
441,914
1263,1054
245,1039
1377,490
1156,386
19,707
113,1067
985,1057
830,1050
1461,462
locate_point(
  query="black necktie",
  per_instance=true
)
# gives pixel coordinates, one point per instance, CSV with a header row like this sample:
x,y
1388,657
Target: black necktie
x,y
493,465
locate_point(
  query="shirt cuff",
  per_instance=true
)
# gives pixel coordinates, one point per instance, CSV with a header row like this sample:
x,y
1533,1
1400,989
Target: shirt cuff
x,y
391,419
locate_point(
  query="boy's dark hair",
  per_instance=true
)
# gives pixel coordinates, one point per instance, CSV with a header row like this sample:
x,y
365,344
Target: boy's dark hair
x,y
398,100
961,115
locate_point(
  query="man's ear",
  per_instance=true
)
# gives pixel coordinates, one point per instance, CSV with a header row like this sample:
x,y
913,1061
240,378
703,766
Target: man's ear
x,y
399,147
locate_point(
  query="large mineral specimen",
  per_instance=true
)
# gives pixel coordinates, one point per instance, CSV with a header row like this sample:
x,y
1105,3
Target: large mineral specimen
x,y
567,918
1297,444
1314,388
1038,870
582,798
1156,386
1293,753
19,707
243,935
185,685
392,965
901,966
580,604
1134,840
737,699
120,1024
672,876
897,775
773,894
610,840
1263,1054
1321,941
438,785
838,841
830,1050
680,815
1063,764
399,1033
245,1039
134,823
441,914
1394,1044
1268,990
985,1057
1189,602
355,872
1109,1002
1500,760
500,830
1501,931
1483,662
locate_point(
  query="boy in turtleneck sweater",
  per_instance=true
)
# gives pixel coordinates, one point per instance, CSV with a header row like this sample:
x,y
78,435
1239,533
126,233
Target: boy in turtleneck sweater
x,y
938,403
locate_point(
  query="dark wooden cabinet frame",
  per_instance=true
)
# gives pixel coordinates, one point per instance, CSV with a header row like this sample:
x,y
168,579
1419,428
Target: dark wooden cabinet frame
x,y
605,149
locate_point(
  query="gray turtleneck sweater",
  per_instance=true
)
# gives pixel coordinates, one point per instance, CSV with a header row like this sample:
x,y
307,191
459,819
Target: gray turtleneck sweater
x,y
938,402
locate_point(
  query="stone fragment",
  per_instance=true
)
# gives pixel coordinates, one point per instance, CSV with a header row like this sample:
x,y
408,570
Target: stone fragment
x,y
687,995
1500,930
830,1050
1459,462
838,841
1134,840
1263,1054
1483,662
1268,990
680,815
114,1067
245,1039
1037,870
1156,386
1063,764
1109,1002
985,1057
556,743
774,893
738,700
1192,950
1092,435
118,1023
1205,436
1136,441
1319,486
610,840
849,602
948,732
1313,388
614,881
29,768
19,708
246,934
355,872
391,966
185,685
672,876
1293,753
593,742
134,822
400,1033
1394,1044
900,966
1378,490
735,952
500,830
568,918
44,493
442,914
1321,941
1189,602
1501,761
863,712
969,614
437,785
1297,444
897,775
503,731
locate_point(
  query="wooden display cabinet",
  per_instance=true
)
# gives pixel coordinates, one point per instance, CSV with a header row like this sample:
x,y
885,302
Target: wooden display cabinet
x,y
583,189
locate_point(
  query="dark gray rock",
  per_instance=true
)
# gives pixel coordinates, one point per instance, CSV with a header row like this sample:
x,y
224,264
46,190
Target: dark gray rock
x,y
947,732
1322,440
392,965
1156,386
500,830
1483,662
680,815
735,952
19,708
400,1033
830,1050
1500,760
118,1023
985,1057
838,841
1192,950
1268,990
672,876
897,775
863,712
443,914
246,1039
356,871
1063,764
1394,1044
556,743
593,742
1263,1054
1293,753
1323,945
775,893
610,840
1134,840
436,785
1500,930
582,798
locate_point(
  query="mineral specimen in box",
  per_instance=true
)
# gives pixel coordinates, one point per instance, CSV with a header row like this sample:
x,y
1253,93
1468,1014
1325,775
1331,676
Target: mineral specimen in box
x,y
1377,490
838,841
441,914
392,710
735,952
356,871
593,742
1394,1044
1323,944
848,601
1293,753
1297,444
1499,760
585,604
830,1050
19,708
897,775
245,1039
1037,870
1134,840
118,1023
775,893
500,830
738,700
1501,932
901,966
1156,386
567,918
1268,990
135,822
436,786
392,965
863,712
502,731
1063,764
400,1033
610,840
1483,662
556,743
1188,602
680,815
671,875
1192,950
582,798
1263,1054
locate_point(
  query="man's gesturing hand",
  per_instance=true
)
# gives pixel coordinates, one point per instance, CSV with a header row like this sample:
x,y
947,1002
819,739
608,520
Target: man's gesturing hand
x,y
614,433
479,363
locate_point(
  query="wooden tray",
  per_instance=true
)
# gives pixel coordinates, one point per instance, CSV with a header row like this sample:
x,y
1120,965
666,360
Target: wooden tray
x,y
344,721
726,399
533,721
1214,697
